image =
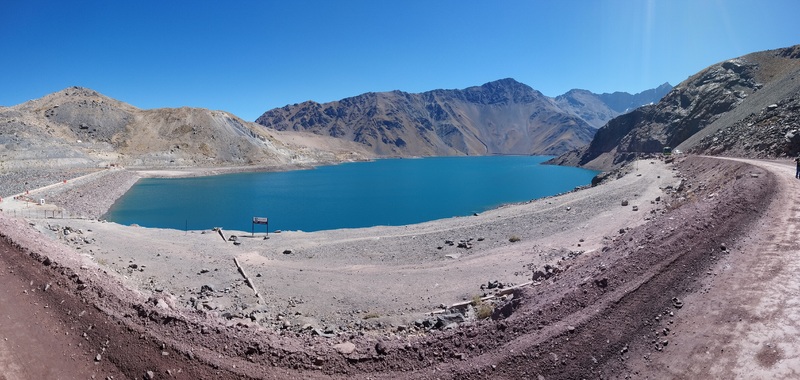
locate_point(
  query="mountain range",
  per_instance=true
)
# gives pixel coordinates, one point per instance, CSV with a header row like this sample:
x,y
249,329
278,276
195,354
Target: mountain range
x,y
500,117
79,127
747,106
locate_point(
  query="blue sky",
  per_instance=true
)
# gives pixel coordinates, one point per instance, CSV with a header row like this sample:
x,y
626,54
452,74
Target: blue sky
x,y
246,57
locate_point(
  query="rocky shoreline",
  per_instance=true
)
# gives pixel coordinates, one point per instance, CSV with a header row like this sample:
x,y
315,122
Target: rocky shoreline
x,y
530,238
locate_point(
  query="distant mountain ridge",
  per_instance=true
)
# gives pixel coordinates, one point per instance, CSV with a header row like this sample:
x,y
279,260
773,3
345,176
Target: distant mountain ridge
x,y
624,102
499,117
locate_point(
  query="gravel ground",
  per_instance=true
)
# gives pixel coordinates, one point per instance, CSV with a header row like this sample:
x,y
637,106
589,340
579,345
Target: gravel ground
x,y
585,316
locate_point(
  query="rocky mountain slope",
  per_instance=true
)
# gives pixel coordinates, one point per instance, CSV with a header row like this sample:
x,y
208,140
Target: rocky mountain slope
x,y
78,127
743,106
501,117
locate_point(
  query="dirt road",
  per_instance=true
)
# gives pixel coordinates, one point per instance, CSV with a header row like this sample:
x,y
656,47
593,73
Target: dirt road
x,y
35,343
744,321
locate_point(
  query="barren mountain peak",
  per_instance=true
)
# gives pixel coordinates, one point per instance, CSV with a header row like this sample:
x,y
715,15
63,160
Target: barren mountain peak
x,y
79,127
498,117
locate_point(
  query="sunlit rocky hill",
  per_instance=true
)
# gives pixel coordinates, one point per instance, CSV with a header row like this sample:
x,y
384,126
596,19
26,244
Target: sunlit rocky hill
x,y
78,127
746,106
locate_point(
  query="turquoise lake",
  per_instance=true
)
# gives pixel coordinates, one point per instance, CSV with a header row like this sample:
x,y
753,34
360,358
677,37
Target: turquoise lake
x,y
361,194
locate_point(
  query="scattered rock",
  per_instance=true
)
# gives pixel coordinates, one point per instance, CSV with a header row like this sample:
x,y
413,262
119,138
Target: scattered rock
x,y
345,348
381,348
446,321
287,252
160,303
601,283
625,202
677,302
322,333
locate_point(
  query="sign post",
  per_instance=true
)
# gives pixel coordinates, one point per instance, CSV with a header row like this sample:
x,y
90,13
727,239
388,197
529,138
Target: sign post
x,y
259,220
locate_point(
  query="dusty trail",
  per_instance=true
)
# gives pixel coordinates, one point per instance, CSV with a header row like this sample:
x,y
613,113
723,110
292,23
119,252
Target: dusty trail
x,y
745,320
32,332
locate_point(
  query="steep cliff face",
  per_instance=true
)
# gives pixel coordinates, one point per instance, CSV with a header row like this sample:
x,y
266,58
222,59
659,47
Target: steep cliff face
x,y
80,127
709,101
501,117
772,132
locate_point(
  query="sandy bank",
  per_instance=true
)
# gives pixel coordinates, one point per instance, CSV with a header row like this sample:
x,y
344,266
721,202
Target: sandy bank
x,y
372,279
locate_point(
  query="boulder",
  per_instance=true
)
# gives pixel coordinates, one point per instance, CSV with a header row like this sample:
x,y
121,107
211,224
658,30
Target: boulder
x,y
345,348
381,348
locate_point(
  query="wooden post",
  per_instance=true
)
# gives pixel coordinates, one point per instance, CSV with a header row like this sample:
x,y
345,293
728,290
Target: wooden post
x,y
246,278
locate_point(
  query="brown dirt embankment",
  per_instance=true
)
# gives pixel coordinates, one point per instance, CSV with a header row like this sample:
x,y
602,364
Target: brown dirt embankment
x,y
623,303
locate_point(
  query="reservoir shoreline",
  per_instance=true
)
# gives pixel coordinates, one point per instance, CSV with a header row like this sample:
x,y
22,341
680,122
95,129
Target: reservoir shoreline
x,y
352,195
